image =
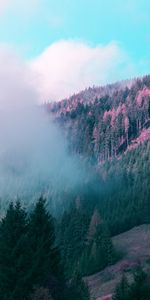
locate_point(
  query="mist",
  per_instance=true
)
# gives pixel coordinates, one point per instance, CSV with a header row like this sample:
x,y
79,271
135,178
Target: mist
x,y
34,159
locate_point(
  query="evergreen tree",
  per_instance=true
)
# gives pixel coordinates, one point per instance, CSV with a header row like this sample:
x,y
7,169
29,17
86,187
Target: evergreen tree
x,y
79,289
100,250
13,254
122,290
45,255
140,289
29,258
104,244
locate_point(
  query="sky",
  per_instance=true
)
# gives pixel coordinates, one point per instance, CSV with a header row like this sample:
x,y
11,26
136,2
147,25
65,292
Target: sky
x,y
72,44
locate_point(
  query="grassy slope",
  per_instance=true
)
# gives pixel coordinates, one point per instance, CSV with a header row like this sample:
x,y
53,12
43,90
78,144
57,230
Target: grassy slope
x,y
135,246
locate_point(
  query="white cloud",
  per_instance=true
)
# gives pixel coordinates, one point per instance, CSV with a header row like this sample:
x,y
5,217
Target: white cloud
x,y
16,87
66,67
33,156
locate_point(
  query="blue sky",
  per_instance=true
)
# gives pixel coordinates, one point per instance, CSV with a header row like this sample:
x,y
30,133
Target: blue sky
x,y
95,21
33,26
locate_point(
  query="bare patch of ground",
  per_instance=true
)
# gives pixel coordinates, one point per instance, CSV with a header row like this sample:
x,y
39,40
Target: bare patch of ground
x,y
135,246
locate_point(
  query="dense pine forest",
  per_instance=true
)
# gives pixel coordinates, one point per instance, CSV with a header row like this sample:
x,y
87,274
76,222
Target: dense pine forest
x,y
30,261
103,123
46,255
110,129
74,150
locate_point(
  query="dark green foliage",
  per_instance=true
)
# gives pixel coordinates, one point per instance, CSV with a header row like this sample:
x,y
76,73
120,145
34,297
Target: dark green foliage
x,y
14,257
126,201
30,266
99,252
104,245
122,202
78,289
114,198
45,255
86,246
110,129
138,290
120,191
122,290
40,294
121,194
72,236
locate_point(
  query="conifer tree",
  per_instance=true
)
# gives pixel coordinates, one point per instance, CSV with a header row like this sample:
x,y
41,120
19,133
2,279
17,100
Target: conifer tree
x,y
122,290
140,289
13,254
45,255
79,289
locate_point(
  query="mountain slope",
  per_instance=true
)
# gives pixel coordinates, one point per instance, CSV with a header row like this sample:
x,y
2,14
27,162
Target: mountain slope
x,y
111,132
103,123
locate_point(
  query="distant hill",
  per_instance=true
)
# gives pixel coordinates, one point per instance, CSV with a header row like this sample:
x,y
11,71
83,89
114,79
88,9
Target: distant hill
x,y
105,122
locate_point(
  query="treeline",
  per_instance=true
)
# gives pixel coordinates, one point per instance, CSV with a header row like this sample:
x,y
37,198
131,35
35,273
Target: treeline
x,y
33,255
127,190
86,247
115,201
110,128
30,261
108,123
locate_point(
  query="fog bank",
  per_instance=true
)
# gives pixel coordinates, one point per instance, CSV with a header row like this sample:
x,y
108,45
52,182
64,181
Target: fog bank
x,y
33,154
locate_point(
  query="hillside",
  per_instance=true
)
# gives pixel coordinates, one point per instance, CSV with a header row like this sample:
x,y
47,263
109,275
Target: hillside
x,y
104,194
75,150
103,123
109,129
134,245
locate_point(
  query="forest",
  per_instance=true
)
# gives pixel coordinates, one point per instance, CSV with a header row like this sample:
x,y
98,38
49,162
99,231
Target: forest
x,y
46,255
